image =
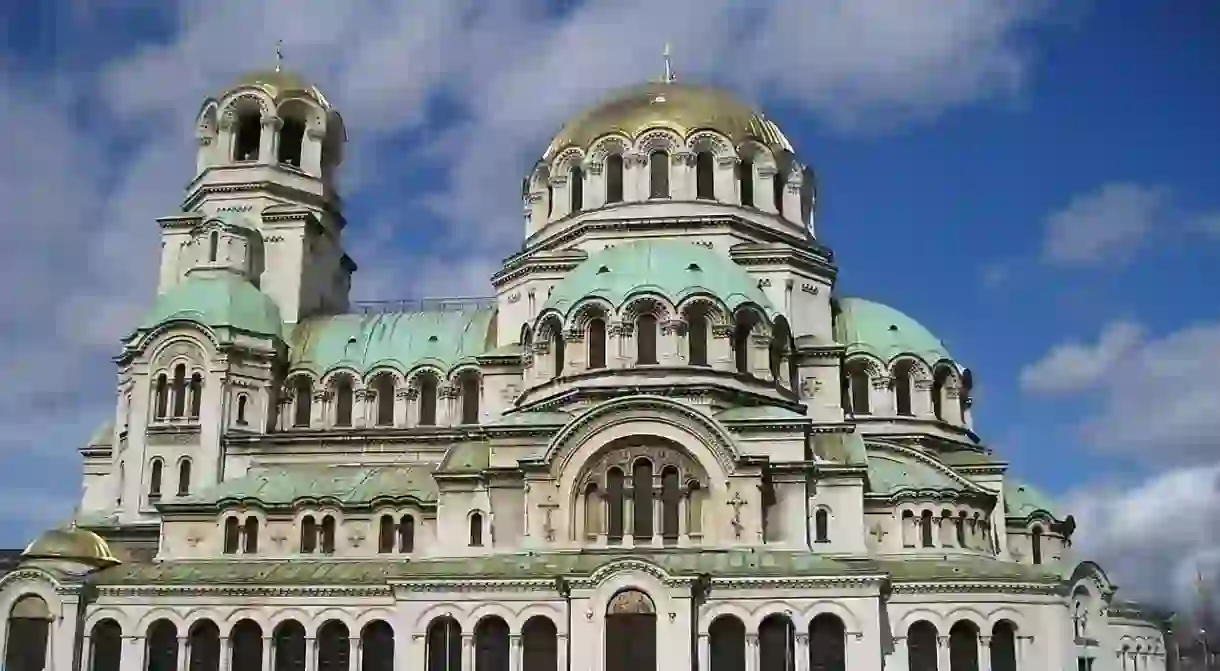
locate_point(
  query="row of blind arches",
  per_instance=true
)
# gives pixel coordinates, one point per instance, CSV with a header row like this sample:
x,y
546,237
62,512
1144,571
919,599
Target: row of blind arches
x,y
395,534
658,180
384,388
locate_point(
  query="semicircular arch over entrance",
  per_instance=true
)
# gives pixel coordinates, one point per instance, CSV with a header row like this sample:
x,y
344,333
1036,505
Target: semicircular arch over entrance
x,y
631,632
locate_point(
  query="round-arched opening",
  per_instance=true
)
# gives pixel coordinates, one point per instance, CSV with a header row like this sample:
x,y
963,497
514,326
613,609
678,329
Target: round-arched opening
x,y
727,643
631,632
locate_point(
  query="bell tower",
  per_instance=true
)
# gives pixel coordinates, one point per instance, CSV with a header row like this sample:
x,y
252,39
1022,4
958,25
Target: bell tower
x,y
269,149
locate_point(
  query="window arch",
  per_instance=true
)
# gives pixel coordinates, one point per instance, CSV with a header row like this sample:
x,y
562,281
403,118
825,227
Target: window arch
x,y
309,535
289,646
248,135
960,528
1035,541
705,180
615,497
327,535
821,526
539,645
597,343
576,187
427,385
476,529
776,644
383,387
385,534
827,643
344,400
377,647
742,328
250,535
697,335
213,245
155,469
302,388
559,345
334,646
243,402
161,397
925,528
777,190
232,535
406,534
964,646
292,137
727,640
902,384
246,640
658,178
161,643
491,645
671,503
203,646
184,477
1004,646
745,181
106,646
856,389
921,647
614,178
469,387
179,391
646,339
444,645
196,395
641,500
29,627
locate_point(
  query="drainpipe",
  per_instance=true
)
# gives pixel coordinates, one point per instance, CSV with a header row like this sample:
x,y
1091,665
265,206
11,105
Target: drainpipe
x,y
698,596
565,590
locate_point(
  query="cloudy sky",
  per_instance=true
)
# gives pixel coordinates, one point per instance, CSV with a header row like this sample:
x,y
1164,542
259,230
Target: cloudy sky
x,y
1035,181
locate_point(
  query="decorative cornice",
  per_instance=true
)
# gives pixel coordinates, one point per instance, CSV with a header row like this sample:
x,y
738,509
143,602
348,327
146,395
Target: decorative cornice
x,y
245,590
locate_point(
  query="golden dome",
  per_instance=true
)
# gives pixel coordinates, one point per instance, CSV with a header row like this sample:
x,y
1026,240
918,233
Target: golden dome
x,y
73,544
281,84
682,108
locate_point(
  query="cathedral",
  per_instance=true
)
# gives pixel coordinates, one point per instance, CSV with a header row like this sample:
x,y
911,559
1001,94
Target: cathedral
x,y
665,441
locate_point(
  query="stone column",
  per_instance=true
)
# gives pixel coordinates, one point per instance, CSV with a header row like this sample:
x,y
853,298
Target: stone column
x,y
311,151
618,343
984,653
560,202
725,178
682,176
764,190
467,652
753,663
133,657
561,641
319,408
357,644
802,652
899,659
792,195
226,653
705,652
184,651
268,656
86,652
942,652
574,359
514,652
720,347
311,653
669,348
269,140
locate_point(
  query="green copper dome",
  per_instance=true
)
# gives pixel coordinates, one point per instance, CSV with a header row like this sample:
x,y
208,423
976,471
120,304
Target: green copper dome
x,y
1021,500
670,268
876,329
223,300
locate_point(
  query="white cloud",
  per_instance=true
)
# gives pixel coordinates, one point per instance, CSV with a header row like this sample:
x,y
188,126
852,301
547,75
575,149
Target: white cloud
x,y
1075,366
1103,226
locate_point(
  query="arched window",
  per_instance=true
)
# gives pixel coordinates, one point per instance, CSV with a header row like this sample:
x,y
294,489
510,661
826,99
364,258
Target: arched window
x,y
597,343
292,136
406,534
694,508
1035,541
696,336
491,644
154,479
593,507
821,526
309,535
614,178
303,397
444,646
248,135
246,640
334,647
705,181
576,186
921,647
196,394
560,347
184,477
777,189
727,640
641,500
29,626
616,497
671,498
213,245
827,644
964,647
469,385
162,646
857,389
250,535
909,526
539,645
776,644
960,528
1004,646
203,645
232,535
741,343
902,389
289,642
377,647
925,528
476,529
179,391
242,402
427,399
383,386
106,646
658,180
385,534
745,178
343,401
646,339
161,399
328,535
939,380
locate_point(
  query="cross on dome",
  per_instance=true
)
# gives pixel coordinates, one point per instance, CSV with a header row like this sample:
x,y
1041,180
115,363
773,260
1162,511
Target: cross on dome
x,y
669,77
279,54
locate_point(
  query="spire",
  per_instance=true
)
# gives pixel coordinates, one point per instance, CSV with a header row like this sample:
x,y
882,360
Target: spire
x,y
279,54
669,69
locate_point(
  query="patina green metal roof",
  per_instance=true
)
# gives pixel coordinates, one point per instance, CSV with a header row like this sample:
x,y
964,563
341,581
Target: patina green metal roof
x,y
533,418
881,331
401,340
671,268
218,301
843,448
347,485
1021,500
919,570
465,458
891,473
757,412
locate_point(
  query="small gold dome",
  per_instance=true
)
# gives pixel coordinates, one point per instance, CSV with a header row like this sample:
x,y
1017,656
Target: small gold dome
x,y
72,544
682,108
280,84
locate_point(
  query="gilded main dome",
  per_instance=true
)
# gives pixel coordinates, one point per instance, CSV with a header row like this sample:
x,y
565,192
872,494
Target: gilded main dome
x,y
682,108
73,544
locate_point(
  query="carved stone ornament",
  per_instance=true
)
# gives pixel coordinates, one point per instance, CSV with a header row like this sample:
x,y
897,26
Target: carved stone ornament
x,y
810,386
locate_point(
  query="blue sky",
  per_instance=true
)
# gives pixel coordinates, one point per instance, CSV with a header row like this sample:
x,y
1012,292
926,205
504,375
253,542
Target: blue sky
x,y
1037,184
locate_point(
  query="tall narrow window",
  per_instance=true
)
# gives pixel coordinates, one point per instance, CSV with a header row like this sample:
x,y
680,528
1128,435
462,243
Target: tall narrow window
x,y
470,398
250,536
309,535
292,136
179,391
658,166
476,529
343,402
377,647
925,528
384,388
154,480
858,382
232,535
406,534
614,178
161,400
196,394
560,346
646,339
242,402
303,408
741,346
705,182
385,534
938,393
902,390
959,526
745,178
248,136
213,245
616,497
576,186
184,477
1035,540
777,188
427,400
328,535
671,497
597,343
696,337
641,500
821,526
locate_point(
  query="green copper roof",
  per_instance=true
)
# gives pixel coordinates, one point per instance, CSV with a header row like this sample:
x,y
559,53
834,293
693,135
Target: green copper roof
x,y
348,485
466,458
757,412
842,448
671,268
218,300
876,329
890,473
402,340
1021,500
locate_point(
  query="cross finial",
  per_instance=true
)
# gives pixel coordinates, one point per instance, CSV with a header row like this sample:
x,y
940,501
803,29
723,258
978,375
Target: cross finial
x,y
279,54
669,69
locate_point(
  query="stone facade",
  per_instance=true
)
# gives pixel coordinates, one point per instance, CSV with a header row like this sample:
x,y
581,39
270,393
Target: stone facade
x,y
664,443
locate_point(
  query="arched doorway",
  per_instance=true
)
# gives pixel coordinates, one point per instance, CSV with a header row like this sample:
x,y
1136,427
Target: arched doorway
x,y
631,632
29,625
